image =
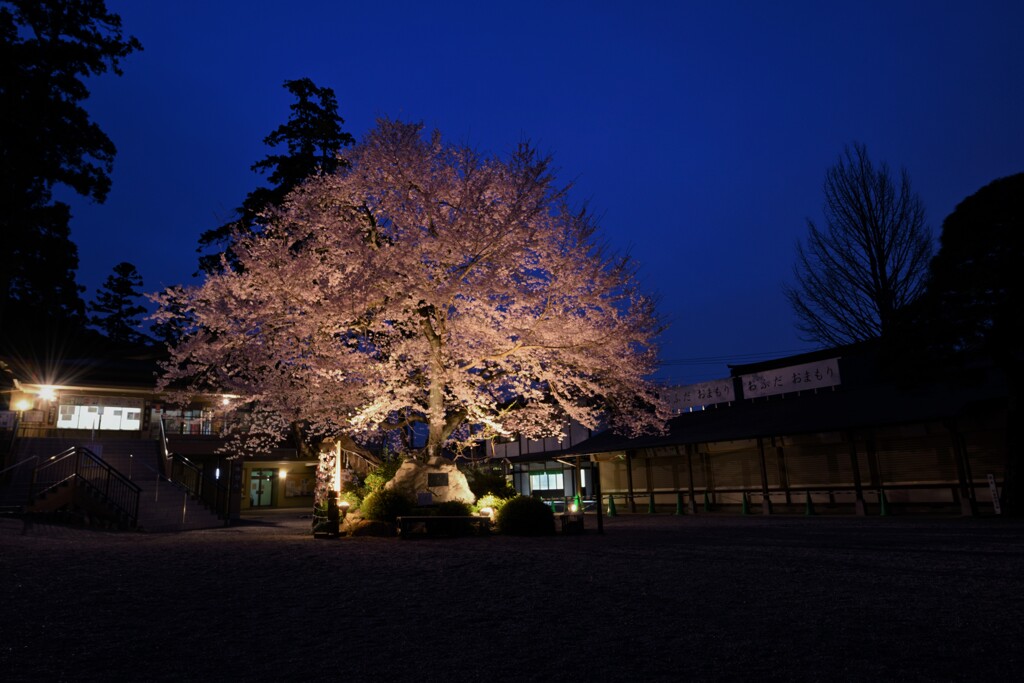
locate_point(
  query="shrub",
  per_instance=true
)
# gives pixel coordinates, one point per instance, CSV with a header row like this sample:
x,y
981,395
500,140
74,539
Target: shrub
x,y
490,501
482,482
381,474
525,516
453,508
385,505
352,498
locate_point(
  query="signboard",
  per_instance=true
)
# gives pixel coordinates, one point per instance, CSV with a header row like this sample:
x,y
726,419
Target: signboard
x,y
817,375
701,394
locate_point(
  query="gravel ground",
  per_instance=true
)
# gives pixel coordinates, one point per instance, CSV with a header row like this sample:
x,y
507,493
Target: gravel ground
x,y
656,598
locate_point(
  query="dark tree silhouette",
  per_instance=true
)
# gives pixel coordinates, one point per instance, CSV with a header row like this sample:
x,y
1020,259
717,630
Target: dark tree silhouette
x,y
48,48
975,299
173,329
116,309
854,276
312,138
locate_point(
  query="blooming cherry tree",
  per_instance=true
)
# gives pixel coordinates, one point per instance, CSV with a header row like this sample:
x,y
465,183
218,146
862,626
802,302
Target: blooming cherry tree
x,y
424,283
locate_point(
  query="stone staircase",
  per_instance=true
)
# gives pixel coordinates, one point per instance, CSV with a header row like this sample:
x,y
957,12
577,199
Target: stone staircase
x,y
163,505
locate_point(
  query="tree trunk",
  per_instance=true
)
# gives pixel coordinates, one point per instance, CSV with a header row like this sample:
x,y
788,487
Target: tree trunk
x,y
436,419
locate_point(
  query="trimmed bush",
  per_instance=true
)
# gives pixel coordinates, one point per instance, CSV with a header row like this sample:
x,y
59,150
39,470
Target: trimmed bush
x,y
483,482
526,516
453,508
490,501
381,474
385,505
352,498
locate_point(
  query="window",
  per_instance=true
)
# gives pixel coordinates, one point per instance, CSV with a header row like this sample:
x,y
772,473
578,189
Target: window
x,y
109,418
547,481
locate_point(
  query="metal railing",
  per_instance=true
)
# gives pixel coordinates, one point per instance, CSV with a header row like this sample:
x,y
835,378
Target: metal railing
x,y
14,485
205,488
197,480
199,426
80,466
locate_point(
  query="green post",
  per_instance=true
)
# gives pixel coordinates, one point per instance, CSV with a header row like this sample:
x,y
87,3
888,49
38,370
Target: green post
x,y
577,503
707,502
679,503
809,506
650,504
745,509
883,504
611,506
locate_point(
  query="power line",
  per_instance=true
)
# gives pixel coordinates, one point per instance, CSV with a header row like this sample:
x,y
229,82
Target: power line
x,y
733,359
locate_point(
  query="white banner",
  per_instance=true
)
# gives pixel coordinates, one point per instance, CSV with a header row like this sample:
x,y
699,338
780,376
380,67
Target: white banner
x,y
823,373
702,394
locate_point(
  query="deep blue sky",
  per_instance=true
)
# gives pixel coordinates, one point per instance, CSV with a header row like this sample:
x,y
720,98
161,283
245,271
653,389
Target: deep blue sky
x,y
698,132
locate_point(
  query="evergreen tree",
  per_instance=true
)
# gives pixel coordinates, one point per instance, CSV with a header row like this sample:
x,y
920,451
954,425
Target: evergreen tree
x,y
172,329
313,140
975,300
48,48
116,308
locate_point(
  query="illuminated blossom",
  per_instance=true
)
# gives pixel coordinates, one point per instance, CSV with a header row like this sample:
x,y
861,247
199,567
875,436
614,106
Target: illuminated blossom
x,y
426,284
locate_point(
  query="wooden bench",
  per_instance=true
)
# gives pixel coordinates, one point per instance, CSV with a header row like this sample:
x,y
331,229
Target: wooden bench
x,y
410,526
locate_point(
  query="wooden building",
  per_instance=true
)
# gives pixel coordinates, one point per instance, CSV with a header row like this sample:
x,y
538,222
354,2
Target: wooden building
x,y
826,432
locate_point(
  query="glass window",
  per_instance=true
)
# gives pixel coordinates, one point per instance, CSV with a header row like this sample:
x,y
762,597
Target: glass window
x,y
110,418
546,481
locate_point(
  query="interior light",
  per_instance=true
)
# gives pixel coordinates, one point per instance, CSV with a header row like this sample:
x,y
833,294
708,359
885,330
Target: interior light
x,y
216,475
283,474
23,405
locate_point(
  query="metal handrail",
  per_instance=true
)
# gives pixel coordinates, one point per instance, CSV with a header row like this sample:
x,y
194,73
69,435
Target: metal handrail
x,y
18,464
81,464
14,437
165,452
183,472
12,491
208,490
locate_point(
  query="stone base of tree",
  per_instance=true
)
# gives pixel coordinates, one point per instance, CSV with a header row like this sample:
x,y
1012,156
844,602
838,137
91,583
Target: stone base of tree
x,y
443,481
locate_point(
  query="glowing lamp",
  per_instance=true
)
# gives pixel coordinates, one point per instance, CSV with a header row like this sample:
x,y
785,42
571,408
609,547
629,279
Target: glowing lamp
x,y
574,508
487,512
283,474
23,405
47,393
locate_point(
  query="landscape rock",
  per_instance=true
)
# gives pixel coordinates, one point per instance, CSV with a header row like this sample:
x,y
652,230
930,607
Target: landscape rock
x,y
442,480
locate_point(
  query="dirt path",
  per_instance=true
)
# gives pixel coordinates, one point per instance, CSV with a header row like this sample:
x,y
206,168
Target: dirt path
x,y
654,599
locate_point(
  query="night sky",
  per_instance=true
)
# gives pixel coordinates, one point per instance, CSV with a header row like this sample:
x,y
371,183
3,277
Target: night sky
x,y
699,133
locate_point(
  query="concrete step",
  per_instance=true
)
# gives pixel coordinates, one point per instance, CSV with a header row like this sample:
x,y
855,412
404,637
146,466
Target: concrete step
x,y
164,506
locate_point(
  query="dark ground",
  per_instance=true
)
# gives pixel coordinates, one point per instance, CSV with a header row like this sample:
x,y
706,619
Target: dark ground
x,y
659,598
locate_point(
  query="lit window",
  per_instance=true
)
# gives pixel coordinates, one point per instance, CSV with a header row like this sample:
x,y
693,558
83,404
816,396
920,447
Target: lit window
x,y
546,481
109,418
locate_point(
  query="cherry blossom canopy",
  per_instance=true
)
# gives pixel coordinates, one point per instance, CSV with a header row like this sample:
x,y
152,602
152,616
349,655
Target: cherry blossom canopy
x,y
425,284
